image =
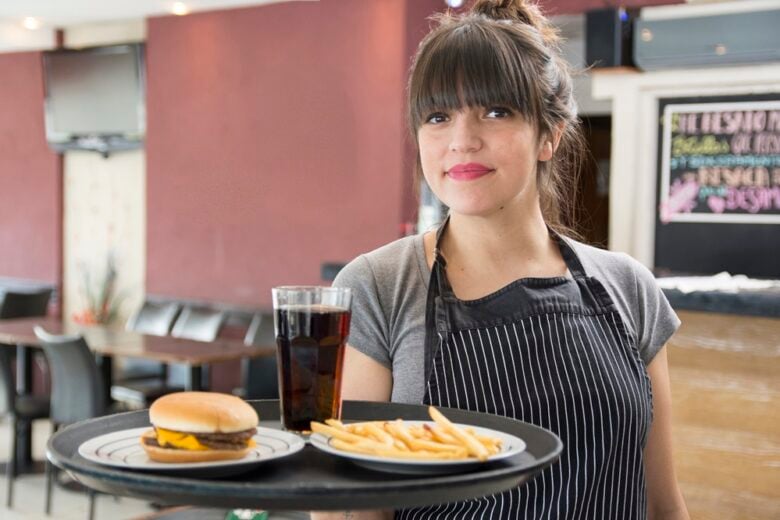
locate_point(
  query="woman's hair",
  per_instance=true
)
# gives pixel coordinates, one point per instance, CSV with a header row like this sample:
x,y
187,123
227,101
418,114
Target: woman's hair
x,y
504,53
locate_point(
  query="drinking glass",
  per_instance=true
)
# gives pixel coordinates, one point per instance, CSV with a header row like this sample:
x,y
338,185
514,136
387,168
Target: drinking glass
x,y
312,326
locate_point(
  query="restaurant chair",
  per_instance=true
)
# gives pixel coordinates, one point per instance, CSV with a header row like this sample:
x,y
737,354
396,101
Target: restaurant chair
x,y
18,304
199,325
259,375
154,319
26,304
77,391
21,409
140,381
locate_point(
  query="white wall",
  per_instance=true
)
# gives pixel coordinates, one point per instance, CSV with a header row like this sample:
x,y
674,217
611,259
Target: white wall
x,y
104,202
104,214
15,38
105,33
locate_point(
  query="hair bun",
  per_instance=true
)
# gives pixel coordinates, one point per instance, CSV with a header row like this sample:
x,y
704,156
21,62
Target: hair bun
x,y
519,11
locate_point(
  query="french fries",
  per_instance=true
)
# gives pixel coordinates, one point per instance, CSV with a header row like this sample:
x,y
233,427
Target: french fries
x,y
395,439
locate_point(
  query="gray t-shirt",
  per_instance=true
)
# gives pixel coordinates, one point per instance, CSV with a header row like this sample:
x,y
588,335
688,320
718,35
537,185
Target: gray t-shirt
x,y
390,286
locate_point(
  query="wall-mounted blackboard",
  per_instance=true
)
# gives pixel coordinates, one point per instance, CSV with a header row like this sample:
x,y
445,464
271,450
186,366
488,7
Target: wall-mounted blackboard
x,y
719,185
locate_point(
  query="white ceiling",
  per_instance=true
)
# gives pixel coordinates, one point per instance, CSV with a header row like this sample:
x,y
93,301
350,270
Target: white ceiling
x,y
63,13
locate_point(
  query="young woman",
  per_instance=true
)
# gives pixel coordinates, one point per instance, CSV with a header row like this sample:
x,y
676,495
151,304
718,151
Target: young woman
x,y
498,311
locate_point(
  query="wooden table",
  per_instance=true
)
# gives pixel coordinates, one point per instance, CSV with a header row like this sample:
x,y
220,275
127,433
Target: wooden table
x,y
110,342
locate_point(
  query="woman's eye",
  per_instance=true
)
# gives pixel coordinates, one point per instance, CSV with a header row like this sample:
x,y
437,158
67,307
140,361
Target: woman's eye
x,y
499,112
436,118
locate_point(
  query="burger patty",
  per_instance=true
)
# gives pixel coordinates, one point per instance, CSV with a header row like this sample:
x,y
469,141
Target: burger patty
x,y
215,445
215,441
225,437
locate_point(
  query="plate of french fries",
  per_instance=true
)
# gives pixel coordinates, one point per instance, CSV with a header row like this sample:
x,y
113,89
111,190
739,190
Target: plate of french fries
x,y
436,446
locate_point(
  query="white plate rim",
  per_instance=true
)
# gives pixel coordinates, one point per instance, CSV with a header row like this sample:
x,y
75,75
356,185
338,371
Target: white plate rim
x,y
515,445
87,449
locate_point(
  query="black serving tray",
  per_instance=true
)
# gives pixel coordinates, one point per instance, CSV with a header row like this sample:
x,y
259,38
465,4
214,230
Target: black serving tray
x,y
311,479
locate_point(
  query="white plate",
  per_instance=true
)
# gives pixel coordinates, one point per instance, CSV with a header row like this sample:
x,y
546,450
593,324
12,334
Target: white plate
x,y
123,449
510,446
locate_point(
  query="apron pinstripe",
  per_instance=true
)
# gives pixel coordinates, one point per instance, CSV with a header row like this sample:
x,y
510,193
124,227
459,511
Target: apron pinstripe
x,y
554,352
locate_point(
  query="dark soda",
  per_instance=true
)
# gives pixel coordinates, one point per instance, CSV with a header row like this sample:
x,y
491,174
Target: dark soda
x,y
310,349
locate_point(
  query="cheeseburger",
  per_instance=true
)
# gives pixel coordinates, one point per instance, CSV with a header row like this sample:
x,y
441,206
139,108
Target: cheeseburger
x,y
199,427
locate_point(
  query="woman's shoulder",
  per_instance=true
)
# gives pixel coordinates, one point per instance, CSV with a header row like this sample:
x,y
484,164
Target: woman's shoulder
x,y
610,264
389,263
630,283
403,248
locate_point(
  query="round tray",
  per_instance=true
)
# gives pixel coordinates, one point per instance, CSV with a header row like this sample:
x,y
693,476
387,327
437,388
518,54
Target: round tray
x,y
311,479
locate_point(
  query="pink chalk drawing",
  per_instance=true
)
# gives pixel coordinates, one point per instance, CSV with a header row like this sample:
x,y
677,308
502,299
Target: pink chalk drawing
x,y
716,204
752,199
682,199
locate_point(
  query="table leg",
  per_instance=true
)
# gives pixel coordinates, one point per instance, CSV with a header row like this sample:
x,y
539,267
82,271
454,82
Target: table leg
x,y
24,376
105,364
194,382
24,369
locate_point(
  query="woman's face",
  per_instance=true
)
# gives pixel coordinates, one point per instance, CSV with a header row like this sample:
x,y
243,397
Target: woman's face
x,y
480,160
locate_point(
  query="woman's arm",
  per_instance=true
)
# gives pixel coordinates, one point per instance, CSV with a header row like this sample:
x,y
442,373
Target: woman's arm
x,y
366,380
664,499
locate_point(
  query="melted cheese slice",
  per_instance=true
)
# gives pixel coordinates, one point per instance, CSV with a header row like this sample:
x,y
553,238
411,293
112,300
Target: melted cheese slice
x,y
179,440
185,441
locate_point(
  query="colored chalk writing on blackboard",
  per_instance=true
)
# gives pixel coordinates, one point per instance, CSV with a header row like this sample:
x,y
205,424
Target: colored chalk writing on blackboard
x,y
721,162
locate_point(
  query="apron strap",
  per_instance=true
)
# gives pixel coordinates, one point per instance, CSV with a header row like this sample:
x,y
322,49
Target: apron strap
x,y
437,286
431,330
569,256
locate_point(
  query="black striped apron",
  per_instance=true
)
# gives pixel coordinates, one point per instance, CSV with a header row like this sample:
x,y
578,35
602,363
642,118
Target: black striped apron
x,y
554,352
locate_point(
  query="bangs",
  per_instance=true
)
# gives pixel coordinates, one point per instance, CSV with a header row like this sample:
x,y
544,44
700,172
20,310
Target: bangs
x,y
470,66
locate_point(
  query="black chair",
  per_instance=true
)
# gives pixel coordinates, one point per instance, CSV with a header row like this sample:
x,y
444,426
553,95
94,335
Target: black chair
x,y
259,375
17,304
77,391
25,304
28,304
200,325
140,381
21,409
153,319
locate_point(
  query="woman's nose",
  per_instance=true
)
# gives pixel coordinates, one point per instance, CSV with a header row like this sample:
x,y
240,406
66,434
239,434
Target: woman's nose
x,y
465,135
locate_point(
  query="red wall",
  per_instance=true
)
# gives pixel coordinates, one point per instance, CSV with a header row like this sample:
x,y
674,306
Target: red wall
x,y
274,144
30,215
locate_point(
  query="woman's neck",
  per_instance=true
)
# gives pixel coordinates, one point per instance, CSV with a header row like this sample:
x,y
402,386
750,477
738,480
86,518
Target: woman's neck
x,y
484,254
502,237
498,236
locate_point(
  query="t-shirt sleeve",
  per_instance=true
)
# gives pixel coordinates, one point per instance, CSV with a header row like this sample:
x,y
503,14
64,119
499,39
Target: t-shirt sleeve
x,y
368,326
656,320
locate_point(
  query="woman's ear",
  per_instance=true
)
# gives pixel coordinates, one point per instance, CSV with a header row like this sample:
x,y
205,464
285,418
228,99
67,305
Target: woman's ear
x,y
546,151
550,143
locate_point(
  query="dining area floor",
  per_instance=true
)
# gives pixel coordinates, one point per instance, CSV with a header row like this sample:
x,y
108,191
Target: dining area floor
x,y
66,504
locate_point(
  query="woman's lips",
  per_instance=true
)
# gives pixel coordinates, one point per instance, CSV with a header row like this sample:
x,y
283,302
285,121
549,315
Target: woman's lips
x,y
468,171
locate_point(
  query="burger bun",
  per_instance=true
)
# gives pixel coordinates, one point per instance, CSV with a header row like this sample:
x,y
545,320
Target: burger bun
x,y
202,412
